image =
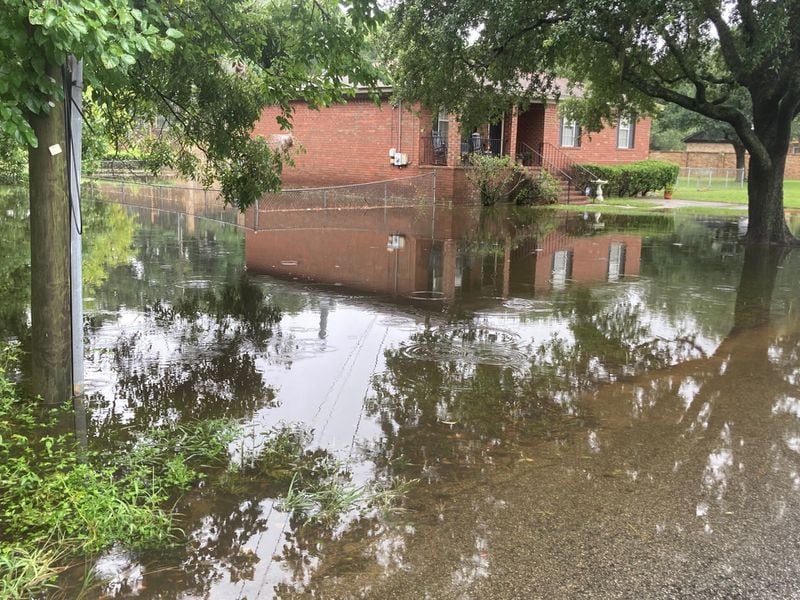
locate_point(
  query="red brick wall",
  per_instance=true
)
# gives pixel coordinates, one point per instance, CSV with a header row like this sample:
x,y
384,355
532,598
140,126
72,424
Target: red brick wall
x,y
531,126
601,147
348,143
677,158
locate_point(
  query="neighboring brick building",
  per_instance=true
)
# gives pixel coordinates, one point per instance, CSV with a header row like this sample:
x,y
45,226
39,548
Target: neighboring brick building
x,y
351,143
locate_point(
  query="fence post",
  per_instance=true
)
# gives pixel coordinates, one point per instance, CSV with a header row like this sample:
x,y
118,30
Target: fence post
x,y
256,217
324,198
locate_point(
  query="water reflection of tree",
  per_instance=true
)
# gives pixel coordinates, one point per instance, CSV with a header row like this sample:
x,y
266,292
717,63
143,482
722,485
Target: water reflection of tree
x,y
15,264
239,309
692,425
108,238
147,394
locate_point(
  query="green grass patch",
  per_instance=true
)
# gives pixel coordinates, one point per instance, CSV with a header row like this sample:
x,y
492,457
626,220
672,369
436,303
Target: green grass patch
x,y
734,194
61,504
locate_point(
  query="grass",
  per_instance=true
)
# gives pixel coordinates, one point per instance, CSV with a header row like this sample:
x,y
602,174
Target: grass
x,y
734,195
61,504
655,204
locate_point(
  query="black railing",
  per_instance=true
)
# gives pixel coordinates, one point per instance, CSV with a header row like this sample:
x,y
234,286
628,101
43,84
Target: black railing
x,y
480,145
551,159
433,150
562,162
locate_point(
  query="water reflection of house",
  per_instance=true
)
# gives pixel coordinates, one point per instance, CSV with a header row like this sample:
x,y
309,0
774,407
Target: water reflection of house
x,y
411,251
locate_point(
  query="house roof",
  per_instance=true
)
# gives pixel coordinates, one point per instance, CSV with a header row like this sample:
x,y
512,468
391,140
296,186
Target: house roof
x,y
706,137
560,88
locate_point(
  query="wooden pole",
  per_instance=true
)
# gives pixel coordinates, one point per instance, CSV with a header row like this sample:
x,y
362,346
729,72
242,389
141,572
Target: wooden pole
x,y
51,374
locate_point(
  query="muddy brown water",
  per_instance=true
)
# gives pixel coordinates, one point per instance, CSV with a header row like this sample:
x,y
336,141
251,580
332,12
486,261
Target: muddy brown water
x,y
587,407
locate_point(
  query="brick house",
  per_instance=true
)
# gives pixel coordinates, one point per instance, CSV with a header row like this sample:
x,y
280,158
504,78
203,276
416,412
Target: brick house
x,y
361,141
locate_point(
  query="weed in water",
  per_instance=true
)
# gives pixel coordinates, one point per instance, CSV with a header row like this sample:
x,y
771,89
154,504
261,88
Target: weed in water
x,y
58,502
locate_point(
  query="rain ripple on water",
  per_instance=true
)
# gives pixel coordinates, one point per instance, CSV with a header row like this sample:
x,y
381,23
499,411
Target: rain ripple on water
x,y
477,346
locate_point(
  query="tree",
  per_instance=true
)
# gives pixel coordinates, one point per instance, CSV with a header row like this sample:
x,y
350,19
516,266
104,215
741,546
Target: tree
x,y
677,122
701,55
208,67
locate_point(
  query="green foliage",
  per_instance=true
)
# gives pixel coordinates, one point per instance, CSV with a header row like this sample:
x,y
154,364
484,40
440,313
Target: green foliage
x,y
493,176
537,188
313,485
59,500
632,179
13,162
499,179
206,68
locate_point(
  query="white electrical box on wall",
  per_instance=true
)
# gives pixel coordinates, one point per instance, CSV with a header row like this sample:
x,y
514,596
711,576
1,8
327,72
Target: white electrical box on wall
x,y
391,152
400,159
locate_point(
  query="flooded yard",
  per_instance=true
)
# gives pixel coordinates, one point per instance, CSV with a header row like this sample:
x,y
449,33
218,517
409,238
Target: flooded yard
x,y
560,406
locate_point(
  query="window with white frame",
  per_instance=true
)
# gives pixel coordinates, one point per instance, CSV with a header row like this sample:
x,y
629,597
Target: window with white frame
x,y
625,132
562,268
570,134
616,261
441,124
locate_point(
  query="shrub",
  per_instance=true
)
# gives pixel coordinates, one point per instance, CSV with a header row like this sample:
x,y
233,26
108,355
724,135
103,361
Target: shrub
x,y
631,179
499,179
494,176
541,188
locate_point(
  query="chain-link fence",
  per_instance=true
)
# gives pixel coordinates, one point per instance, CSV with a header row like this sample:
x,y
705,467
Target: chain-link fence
x,y
418,190
195,201
710,178
408,191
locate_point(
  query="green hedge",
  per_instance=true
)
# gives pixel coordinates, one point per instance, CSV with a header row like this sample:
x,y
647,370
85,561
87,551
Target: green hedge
x,y
630,179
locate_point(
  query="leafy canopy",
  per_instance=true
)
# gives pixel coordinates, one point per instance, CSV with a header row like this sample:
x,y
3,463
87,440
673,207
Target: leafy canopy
x,y
704,55
206,68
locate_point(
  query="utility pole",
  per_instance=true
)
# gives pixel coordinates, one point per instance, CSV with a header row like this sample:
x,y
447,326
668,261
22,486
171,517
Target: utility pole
x,y
74,100
51,375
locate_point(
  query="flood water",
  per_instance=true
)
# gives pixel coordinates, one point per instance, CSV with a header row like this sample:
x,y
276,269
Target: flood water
x,y
582,406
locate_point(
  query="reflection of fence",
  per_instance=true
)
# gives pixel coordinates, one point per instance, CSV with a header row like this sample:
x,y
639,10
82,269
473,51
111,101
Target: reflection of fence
x,y
408,191
708,178
209,204
198,202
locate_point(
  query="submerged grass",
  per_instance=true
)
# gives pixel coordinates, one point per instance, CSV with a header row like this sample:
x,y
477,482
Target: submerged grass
x,y
632,206
60,504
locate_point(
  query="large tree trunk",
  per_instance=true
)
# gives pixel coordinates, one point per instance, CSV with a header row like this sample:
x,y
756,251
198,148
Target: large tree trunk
x,y
51,350
767,222
756,284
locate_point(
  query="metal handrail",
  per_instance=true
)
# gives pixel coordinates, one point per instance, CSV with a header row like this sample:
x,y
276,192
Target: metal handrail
x,y
548,148
433,150
543,162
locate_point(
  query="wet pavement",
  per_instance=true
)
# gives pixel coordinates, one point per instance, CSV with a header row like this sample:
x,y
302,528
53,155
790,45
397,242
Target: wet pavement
x,y
584,407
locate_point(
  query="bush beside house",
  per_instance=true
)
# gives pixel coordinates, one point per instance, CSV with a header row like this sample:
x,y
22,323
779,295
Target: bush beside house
x,y
499,179
632,179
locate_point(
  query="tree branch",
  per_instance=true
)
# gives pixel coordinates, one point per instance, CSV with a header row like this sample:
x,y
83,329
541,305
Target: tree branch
x,y
727,44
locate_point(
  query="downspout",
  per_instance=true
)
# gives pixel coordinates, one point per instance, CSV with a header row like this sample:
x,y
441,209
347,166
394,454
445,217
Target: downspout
x,y
400,126
502,134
